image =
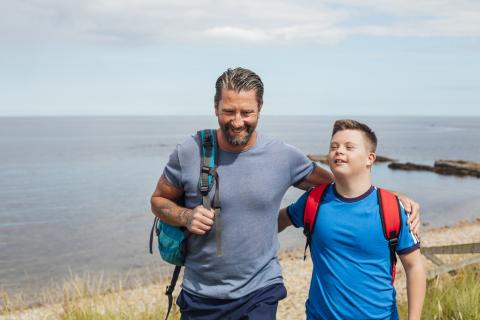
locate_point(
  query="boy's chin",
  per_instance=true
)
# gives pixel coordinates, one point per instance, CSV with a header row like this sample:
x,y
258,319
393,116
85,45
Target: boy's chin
x,y
340,172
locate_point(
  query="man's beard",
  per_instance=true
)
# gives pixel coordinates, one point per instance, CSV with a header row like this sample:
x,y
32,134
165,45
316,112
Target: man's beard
x,y
238,141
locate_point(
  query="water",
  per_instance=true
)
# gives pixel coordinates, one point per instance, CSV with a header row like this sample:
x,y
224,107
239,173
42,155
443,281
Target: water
x,y
74,192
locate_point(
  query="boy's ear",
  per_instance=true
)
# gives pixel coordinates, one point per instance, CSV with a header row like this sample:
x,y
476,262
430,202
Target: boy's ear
x,y
371,159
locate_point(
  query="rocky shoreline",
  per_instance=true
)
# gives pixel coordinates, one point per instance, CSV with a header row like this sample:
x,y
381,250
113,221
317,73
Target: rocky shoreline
x,y
460,168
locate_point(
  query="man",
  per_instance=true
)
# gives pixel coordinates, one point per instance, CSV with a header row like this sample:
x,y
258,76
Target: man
x,y
254,174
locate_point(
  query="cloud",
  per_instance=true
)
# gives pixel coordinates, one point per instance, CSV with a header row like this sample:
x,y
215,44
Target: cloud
x,y
252,22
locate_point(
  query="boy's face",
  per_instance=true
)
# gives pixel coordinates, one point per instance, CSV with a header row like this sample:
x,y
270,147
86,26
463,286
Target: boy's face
x,y
350,154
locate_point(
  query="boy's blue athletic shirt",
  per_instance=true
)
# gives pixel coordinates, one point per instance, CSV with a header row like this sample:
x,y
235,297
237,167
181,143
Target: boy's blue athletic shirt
x,y
351,276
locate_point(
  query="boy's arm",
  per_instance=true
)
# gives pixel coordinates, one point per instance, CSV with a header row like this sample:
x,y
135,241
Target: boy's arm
x,y
283,220
416,282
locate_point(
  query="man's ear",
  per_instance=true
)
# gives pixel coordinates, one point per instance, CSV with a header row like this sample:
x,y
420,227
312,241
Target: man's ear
x,y
216,111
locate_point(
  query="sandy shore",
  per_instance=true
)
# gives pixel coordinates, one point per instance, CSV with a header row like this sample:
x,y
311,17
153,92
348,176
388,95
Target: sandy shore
x,y
296,274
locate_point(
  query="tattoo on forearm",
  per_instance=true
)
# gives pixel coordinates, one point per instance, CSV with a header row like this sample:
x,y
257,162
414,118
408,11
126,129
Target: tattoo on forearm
x,y
186,217
167,209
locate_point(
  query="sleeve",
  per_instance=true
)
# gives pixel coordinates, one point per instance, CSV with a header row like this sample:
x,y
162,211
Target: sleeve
x,y
407,241
295,211
173,170
300,165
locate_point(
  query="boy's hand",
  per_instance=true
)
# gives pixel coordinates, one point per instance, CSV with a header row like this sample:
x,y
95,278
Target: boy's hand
x,y
413,209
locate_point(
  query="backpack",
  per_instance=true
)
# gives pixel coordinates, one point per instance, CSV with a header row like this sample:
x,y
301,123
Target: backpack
x,y
390,215
172,242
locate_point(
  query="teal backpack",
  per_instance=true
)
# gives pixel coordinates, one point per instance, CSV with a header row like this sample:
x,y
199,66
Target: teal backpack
x,y
172,240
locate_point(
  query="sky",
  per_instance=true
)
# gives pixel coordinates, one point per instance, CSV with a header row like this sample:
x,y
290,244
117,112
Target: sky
x,y
162,57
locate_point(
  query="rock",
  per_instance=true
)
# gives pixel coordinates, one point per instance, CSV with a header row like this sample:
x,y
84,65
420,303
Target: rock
x,y
446,167
318,158
410,166
457,167
384,159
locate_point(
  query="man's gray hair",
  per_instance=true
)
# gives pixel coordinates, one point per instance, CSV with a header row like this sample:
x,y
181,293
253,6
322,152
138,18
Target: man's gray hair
x,y
239,79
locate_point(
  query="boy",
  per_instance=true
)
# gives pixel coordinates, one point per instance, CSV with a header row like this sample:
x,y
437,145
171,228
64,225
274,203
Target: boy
x,y
352,276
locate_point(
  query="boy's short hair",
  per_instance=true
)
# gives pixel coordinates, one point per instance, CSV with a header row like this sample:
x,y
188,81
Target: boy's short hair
x,y
349,124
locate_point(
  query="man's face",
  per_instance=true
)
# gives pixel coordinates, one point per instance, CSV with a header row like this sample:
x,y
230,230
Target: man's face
x,y
350,154
237,114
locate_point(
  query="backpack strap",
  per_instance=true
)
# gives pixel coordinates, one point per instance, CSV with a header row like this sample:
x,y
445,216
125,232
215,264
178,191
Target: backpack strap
x,y
390,215
312,205
209,176
154,229
171,287
208,165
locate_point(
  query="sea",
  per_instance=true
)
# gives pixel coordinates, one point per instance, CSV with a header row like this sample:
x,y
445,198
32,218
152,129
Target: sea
x,y
75,191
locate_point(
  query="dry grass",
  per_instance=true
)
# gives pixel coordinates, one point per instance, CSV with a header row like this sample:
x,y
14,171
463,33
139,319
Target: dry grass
x,y
87,298
94,297
450,297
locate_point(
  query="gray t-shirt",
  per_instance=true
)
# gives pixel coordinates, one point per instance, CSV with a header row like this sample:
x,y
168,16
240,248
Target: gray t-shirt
x,y
252,185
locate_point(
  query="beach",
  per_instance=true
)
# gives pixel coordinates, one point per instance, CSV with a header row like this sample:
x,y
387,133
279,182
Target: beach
x,y
296,274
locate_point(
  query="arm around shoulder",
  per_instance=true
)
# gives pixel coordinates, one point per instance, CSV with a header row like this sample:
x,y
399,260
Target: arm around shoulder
x,y
416,282
315,178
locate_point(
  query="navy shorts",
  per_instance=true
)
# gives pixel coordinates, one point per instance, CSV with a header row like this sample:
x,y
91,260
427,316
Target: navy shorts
x,y
258,305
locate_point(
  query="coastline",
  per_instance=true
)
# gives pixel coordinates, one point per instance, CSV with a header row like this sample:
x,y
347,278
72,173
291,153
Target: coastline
x,y
296,274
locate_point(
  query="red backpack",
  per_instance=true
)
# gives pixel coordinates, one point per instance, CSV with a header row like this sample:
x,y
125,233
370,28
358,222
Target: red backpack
x,y
390,215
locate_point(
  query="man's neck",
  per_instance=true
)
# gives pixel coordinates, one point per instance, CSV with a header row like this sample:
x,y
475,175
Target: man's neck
x,y
224,145
352,187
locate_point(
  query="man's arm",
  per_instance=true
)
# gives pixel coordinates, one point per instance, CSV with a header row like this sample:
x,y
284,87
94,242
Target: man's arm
x,y
283,220
320,175
315,178
198,220
416,282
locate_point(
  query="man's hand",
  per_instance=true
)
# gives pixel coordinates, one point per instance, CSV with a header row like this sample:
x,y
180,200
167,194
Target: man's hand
x,y
198,220
414,209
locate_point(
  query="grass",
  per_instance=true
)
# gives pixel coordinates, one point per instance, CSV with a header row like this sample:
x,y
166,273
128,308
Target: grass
x,y
105,312
82,303
452,297
86,298
449,297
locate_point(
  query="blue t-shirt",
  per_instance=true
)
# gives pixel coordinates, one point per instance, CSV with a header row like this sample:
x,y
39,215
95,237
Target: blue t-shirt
x,y
351,276
252,185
